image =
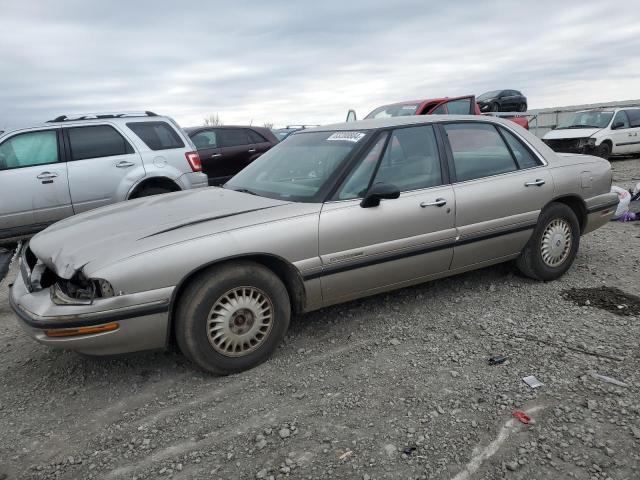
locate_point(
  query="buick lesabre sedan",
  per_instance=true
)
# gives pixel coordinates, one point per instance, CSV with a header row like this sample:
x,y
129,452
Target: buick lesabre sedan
x,y
332,214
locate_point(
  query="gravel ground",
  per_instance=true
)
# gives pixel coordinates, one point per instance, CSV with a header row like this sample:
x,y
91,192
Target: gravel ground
x,y
394,386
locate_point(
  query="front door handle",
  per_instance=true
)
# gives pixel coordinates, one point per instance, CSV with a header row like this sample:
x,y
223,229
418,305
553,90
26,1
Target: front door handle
x,y
47,175
536,183
216,155
440,202
124,164
252,150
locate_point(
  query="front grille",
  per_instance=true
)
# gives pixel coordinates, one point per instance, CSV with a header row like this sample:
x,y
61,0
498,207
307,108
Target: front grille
x,y
564,144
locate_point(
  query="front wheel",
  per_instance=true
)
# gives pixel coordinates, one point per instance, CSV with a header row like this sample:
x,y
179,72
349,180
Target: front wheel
x,y
495,107
232,317
553,245
604,150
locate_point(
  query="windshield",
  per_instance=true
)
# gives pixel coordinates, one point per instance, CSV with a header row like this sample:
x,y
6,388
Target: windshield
x,y
493,94
588,119
394,111
297,169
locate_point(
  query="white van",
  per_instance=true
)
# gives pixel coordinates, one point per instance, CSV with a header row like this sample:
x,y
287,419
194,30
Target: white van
x,y
602,132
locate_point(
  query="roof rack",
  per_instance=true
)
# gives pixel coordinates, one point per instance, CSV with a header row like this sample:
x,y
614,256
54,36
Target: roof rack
x,y
302,126
98,116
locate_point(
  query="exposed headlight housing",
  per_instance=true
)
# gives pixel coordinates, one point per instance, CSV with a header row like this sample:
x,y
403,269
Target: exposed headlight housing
x,y
583,142
80,291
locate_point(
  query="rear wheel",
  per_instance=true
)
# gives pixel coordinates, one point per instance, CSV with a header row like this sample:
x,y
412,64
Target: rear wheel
x,y
604,150
232,317
523,107
553,245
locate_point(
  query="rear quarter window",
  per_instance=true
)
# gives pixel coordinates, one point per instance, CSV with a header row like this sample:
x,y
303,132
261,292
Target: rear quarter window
x,y
156,135
634,117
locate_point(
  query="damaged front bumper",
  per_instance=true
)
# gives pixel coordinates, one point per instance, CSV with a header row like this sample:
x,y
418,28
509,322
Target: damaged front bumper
x,y
102,326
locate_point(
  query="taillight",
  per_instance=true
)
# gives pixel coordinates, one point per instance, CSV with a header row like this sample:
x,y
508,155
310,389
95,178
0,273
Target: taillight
x,y
194,161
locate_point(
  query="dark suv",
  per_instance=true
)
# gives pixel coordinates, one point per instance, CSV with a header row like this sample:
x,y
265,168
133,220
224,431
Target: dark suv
x,y
502,101
225,150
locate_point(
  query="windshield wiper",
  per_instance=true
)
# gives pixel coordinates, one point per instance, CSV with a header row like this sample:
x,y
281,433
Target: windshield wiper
x,y
244,190
582,126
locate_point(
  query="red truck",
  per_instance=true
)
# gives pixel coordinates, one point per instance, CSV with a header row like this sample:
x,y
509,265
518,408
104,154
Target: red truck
x,y
435,106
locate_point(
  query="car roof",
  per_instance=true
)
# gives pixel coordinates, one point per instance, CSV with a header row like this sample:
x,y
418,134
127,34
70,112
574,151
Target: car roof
x,y
375,123
209,127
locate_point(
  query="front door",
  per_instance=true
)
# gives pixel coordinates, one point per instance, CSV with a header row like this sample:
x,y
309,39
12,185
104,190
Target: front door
x,y
237,150
33,182
500,188
102,166
400,241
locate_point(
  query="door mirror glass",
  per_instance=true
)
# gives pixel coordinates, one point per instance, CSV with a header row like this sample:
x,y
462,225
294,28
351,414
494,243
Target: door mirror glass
x,y
351,116
379,191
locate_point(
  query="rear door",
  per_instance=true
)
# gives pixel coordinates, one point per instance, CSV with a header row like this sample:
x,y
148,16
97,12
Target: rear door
x,y
33,182
622,135
500,187
237,150
102,166
400,241
455,106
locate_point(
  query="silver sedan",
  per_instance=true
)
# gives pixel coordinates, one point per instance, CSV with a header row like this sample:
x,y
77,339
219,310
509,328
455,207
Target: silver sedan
x,y
329,215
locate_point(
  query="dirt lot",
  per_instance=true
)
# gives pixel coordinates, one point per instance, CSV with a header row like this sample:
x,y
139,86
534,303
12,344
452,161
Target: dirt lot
x,y
395,386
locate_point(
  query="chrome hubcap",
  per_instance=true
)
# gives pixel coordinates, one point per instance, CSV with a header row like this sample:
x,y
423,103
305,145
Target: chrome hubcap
x,y
556,242
240,321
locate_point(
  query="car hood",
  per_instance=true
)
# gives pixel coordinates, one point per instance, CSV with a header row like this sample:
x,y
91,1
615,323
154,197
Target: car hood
x,y
127,228
560,133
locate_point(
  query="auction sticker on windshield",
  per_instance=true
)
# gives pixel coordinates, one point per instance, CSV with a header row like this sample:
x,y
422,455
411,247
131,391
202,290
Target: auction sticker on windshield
x,y
346,137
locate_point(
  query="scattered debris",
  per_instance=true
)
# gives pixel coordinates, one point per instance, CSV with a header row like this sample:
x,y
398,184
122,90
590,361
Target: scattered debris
x,y
409,450
611,380
346,454
532,381
523,417
497,359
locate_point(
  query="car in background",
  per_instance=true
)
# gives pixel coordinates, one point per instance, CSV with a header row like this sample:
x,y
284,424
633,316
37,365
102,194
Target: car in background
x,y
330,215
465,105
602,132
502,101
225,150
77,163
282,133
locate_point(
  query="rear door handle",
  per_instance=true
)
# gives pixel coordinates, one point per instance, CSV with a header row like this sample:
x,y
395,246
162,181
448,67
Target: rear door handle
x,y
440,202
47,175
124,164
216,155
536,183
252,150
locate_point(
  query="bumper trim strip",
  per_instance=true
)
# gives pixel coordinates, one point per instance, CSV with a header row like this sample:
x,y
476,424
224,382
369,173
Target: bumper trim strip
x,y
89,319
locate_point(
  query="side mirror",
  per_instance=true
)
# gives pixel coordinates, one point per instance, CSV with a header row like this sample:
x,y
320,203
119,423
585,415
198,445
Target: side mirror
x,y
617,125
351,116
377,192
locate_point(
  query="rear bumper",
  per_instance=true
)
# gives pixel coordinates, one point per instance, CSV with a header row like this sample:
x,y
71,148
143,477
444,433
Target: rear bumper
x,y
600,210
141,326
193,180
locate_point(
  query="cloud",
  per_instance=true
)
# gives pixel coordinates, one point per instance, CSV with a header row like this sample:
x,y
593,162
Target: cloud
x,y
297,62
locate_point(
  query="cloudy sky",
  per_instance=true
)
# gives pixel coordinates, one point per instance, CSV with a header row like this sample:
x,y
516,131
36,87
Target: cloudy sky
x,y
306,62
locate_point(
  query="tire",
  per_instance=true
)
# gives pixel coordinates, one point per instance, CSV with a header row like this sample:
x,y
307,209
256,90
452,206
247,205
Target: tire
x,y
495,107
148,191
523,107
204,305
556,224
604,150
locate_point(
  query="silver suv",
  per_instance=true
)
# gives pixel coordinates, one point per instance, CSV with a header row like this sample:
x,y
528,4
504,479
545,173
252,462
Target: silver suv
x,y
74,164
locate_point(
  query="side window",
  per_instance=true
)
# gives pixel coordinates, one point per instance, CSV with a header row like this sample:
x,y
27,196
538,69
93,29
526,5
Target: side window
x,y
156,135
478,151
621,116
634,117
356,184
205,140
523,155
411,159
255,137
455,107
29,149
232,137
97,141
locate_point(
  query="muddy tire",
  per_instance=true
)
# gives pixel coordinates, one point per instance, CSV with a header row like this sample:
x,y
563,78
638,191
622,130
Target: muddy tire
x,y
604,150
232,317
553,245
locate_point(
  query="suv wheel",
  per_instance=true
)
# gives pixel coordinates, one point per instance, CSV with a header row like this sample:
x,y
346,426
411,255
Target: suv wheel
x,y
232,317
553,245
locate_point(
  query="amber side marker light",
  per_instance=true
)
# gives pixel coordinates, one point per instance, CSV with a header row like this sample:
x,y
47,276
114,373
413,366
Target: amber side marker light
x,y
72,332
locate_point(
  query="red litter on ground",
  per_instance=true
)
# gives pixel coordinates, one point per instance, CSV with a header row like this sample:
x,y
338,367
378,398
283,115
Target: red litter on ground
x,y
523,417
